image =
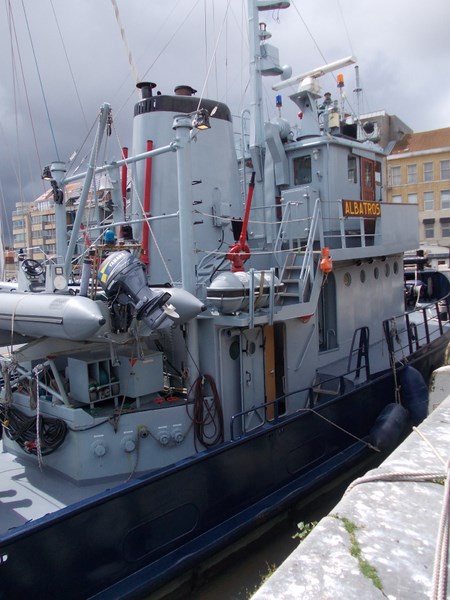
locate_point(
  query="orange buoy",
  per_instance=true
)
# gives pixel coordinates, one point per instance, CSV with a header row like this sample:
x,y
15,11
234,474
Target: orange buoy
x,y
326,264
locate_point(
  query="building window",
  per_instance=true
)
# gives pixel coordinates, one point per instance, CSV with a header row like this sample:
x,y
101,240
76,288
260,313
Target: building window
x,y
395,176
445,169
429,230
445,227
412,173
428,171
351,169
428,201
397,199
445,198
302,170
412,198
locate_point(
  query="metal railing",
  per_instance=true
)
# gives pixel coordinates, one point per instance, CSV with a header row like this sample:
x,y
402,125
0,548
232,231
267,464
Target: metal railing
x,y
419,332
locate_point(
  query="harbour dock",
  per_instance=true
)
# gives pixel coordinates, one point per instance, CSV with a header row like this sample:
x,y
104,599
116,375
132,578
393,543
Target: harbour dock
x,y
388,536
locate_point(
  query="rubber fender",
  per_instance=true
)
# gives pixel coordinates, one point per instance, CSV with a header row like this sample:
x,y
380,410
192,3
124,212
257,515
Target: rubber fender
x,y
389,427
414,394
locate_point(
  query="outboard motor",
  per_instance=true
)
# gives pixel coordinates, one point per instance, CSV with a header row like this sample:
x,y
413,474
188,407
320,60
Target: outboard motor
x,y
122,276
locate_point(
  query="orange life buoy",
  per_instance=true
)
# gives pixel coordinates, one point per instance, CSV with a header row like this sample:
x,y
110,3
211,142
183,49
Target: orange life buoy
x,y
326,264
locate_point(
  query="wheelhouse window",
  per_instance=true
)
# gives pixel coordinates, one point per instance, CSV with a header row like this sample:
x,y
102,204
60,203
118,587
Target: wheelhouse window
x,y
352,169
428,201
412,173
368,174
428,171
302,170
378,179
395,176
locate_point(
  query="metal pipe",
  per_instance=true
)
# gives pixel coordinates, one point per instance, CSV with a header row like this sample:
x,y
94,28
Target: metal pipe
x,y
172,147
105,111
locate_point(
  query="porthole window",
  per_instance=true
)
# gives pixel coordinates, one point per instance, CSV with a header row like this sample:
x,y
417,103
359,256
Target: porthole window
x,y
396,268
235,349
387,269
362,276
376,272
347,279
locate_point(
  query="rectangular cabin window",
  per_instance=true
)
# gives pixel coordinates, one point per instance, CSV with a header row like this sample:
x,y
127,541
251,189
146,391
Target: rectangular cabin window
x,y
352,169
367,179
302,170
378,180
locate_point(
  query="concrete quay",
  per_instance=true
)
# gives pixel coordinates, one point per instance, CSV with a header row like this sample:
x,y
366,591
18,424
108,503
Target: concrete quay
x,y
381,539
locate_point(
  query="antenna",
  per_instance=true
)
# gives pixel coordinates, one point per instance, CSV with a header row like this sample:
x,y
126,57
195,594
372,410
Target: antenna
x,y
357,91
314,73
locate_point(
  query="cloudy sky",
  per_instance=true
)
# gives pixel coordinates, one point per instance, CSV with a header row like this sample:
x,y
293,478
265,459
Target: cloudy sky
x,y
51,90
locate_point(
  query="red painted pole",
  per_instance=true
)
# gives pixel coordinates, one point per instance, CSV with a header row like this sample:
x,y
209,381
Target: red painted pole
x,y
124,182
147,204
124,176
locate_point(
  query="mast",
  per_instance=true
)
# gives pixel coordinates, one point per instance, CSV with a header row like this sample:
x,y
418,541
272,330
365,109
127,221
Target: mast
x,y
256,104
357,92
256,111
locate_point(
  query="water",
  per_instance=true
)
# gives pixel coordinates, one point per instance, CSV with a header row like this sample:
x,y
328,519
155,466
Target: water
x,y
239,575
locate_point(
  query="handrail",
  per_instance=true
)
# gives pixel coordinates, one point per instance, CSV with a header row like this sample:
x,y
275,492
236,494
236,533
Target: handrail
x,y
412,329
308,260
280,401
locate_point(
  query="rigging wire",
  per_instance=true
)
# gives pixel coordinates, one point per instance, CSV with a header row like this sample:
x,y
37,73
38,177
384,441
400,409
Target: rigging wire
x,y
318,47
40,81
125,41
345,27
213,58
69,65
13,38
127,99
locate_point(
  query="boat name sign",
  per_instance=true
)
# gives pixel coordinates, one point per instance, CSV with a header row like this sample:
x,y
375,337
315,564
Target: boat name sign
x,y
361,208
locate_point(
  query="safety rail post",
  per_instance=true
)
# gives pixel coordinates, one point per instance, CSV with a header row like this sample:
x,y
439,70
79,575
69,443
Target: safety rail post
x,y
387,335
307,269
251,299
271,295
408,329
438,314
286,208
425,323
342,225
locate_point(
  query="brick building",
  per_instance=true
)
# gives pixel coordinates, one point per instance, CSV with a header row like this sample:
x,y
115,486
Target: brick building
x,y
419,172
